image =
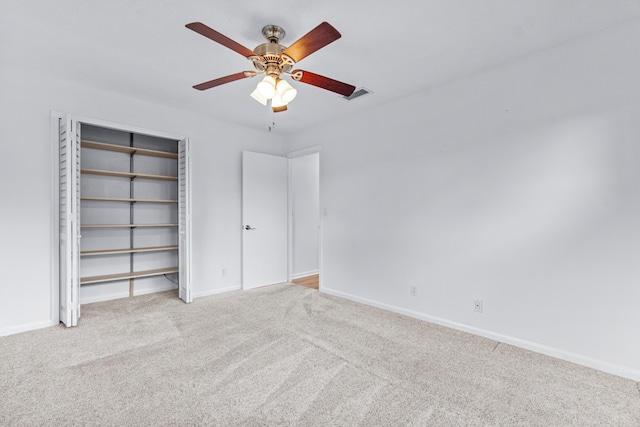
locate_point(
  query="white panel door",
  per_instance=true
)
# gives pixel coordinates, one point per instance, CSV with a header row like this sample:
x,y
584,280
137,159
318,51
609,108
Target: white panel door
x,y
264,218
69,221
184,220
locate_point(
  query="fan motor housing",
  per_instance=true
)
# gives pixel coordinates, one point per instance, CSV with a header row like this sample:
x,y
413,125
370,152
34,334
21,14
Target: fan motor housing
x,y
269,49
272,60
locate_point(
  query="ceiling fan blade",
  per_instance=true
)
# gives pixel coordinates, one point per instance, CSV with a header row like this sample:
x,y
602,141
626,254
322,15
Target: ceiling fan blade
x,y
343,89
223,80
314,40
202,29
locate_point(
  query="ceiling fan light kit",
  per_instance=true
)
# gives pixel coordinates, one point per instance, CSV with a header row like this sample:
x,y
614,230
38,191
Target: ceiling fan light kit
x,y
275,60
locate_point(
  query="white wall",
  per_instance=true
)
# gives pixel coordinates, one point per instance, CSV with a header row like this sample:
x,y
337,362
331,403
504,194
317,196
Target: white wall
x,y
518,186
305,192
28,96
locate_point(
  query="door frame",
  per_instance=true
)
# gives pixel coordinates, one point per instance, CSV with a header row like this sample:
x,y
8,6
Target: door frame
x,y
294,155
55,191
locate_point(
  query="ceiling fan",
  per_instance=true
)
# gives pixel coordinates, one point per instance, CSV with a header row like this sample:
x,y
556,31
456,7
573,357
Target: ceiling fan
x,y
275,60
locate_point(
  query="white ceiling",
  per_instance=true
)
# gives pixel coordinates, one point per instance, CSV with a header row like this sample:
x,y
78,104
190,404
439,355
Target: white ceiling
x,y
142,48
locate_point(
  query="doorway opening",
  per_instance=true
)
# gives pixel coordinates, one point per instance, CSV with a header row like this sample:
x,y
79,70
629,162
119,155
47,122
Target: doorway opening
x,y
305,219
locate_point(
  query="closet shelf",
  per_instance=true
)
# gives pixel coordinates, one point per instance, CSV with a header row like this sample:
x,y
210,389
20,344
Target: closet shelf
x,y
128,250
123,276
127,149
122,199
125,225
129,174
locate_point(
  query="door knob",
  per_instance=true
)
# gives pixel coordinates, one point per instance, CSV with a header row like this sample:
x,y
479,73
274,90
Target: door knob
x,y
248,227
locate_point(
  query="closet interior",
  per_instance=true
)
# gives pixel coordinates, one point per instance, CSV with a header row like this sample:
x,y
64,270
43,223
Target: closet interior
x,y
128,214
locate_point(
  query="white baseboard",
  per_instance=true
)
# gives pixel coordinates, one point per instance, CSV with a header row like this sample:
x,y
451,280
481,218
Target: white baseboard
x,y
27,327
168,287
611,368
159,289
305,274
216,291
11,330
118,295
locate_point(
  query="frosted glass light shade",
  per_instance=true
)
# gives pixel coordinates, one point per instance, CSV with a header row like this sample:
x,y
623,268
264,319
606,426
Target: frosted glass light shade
x,y
286,91
267,87
277,104
256,95
277,100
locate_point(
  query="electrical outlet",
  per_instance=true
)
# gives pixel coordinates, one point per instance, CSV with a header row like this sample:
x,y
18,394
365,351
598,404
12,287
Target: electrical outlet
x,y
477,305
414,291
223,272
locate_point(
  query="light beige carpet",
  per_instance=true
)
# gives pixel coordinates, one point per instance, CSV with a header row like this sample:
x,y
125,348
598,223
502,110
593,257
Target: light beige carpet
x,y
288,355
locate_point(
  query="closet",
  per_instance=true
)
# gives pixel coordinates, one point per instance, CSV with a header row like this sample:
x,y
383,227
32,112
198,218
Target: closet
x,y
124,213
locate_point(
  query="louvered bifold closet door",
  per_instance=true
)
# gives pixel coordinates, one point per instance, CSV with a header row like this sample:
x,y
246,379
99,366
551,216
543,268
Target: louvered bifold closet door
x,y
184,220
69,221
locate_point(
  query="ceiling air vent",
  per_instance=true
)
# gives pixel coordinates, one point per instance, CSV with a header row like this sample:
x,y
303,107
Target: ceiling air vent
x,y
358,93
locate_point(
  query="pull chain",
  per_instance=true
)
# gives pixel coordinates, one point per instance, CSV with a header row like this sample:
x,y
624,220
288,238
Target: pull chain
x,y
270,119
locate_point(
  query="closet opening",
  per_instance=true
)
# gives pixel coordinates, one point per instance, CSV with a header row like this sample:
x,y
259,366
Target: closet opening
x,y
124,214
